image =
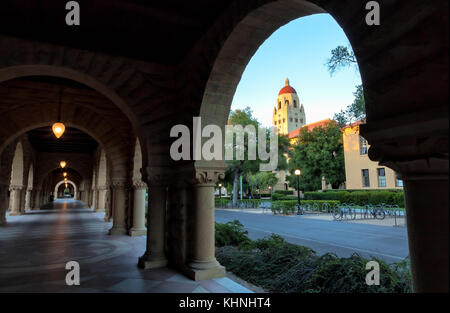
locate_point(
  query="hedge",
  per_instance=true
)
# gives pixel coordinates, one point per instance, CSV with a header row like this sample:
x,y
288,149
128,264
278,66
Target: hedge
x,y
360,197
288,206
247,203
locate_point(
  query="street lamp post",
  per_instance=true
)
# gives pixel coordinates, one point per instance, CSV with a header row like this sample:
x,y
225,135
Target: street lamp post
x,y
297,173
220,191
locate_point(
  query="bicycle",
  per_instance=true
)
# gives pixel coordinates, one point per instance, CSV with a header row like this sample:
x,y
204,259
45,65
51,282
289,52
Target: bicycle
x,y
341,212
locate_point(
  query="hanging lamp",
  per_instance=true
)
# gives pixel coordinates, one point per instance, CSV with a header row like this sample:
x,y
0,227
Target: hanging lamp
x,y
58,127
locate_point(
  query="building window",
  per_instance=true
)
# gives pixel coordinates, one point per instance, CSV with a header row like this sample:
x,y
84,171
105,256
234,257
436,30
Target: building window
x,y
286,102
301,120
284,120
365,178
279,105
290,119
275,123
398,182
295,103
381,177
279,122
362,145
296,120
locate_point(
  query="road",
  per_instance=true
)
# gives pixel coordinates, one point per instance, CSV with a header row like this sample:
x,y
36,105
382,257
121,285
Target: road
x,y
386,243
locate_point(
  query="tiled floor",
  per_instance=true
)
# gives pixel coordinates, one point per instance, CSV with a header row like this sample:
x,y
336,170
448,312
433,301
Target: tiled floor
x,y
35,247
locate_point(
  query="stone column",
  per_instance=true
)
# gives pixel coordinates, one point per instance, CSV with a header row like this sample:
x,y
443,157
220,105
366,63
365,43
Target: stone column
x,y
139,229
101,199
119,208
28,199
202,262
14,204
94,199
3,203
155,255
37,198
416,148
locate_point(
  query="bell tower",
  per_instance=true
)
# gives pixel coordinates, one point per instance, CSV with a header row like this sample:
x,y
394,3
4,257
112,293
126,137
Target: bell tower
x,y
289,113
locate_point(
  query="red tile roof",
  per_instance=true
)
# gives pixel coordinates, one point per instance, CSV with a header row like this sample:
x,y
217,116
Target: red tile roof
x,y
310,127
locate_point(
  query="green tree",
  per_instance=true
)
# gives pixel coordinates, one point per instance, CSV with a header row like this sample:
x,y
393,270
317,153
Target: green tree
x,y
261,180
236,168
318,153
341,57
344,57
355,111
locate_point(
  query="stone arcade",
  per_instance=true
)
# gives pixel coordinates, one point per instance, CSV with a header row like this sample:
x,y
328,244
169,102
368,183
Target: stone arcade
x,y
126,84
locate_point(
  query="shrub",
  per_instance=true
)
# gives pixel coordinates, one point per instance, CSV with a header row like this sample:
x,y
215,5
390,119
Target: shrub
x,y
360,197
279,266
277,196
230,234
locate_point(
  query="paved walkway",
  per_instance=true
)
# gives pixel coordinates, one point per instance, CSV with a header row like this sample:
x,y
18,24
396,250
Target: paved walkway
x,y
35,247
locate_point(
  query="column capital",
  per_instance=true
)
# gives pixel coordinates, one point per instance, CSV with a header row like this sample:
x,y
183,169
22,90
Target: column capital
x,y
102,187
119,183
16,187
139,185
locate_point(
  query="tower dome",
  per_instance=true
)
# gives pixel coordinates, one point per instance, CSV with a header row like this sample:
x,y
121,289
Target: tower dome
x,y
287,88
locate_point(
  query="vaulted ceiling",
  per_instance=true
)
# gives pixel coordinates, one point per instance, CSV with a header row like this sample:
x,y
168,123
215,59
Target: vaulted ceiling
x,y
72,141
158,31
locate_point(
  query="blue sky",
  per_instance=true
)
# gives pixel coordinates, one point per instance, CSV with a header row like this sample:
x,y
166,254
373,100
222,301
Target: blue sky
x,y
298,51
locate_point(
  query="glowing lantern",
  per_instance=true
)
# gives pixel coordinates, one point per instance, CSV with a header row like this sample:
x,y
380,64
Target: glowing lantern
x,y
58,129
63,164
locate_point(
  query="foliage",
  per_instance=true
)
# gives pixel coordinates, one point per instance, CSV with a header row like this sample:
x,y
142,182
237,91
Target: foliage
x,y
246,203
318,153
341,57
262,180
278,266
355,111
236,168
360,197
230,234
344,57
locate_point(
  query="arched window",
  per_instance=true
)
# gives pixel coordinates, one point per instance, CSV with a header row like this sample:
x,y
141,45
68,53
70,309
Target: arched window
x,y
279,105
295,103
286,102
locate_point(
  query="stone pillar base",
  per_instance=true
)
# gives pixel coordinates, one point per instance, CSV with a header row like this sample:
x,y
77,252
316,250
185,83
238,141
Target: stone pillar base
x,y
99,210
117,231
137,232
15,213
147,262
207,273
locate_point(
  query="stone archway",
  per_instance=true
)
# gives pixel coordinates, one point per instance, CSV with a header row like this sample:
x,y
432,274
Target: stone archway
x,y
75,195
17,179
407,125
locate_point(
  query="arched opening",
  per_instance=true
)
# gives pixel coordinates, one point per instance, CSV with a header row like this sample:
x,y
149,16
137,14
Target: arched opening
x,y
381,107
92,138
65,189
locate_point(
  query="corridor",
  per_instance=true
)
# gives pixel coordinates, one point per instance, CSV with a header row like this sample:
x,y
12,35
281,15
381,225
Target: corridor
x,y
36,246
